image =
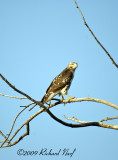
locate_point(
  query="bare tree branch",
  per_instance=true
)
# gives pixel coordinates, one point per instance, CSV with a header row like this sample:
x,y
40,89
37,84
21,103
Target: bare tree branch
x,y
10,138
91,99
95,36
17,90
75,119
25,123
6,138
60,121
46,109
13,96
98,124
19,139
3,136
32,107
108,118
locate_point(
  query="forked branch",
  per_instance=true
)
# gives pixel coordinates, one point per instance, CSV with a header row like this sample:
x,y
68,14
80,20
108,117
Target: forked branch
x,y
7,142
46,109
85,124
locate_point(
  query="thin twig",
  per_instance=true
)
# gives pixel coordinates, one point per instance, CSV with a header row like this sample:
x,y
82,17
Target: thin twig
x,y
95,36
21,137
17,90
3,136
32,107
32,117
75,119
6,139
13,96
28,121
108,118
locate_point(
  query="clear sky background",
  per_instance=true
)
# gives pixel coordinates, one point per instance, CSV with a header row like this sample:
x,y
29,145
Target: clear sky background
x,y
37,41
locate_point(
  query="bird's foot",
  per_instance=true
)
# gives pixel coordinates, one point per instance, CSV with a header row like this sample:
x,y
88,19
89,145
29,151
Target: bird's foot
x,y
62,101
69,98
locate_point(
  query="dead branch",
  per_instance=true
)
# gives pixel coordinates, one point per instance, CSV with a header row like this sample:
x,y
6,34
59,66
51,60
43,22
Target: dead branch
x,y
108,118
91,99
32,107
21,137
85,124
13,96
6,138
24,94
25,123
75,119
95,36
46,109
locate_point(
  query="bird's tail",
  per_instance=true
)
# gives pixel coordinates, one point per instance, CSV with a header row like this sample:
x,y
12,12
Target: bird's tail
x,y
45,98
42,101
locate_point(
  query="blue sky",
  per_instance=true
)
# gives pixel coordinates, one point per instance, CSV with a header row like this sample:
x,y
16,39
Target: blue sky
x,y
38,39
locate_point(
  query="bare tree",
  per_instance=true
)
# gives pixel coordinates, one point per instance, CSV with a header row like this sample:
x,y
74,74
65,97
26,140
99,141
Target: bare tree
x,y
9,139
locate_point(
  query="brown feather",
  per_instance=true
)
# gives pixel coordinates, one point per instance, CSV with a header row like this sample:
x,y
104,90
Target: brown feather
x,y
59,82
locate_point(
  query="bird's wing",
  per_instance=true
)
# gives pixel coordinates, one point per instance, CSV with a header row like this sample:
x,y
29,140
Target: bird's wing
x,y
59,82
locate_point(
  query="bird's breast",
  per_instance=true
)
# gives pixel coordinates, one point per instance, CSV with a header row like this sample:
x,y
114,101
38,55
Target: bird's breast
x,y
64,90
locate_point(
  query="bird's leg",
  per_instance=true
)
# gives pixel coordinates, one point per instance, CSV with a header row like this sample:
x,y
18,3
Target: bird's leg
x,y
49,102
62,98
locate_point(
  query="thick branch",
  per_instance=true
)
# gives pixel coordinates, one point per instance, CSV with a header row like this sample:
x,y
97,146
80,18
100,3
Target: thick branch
x,y
96,37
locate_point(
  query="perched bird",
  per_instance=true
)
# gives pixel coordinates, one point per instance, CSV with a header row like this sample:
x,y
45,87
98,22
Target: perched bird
x,y
61,83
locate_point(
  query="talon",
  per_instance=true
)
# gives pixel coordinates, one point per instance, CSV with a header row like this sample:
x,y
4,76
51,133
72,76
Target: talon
x,y
70,97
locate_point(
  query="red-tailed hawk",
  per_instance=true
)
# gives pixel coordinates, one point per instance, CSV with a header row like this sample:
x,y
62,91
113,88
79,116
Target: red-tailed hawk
x,y
61,83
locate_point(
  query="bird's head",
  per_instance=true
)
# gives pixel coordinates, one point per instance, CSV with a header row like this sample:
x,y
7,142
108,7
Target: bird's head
x,y
72,65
